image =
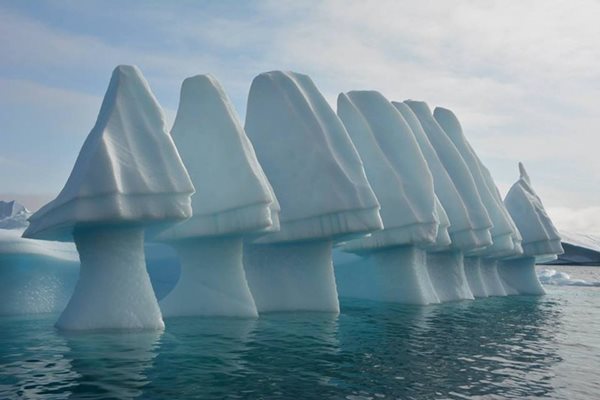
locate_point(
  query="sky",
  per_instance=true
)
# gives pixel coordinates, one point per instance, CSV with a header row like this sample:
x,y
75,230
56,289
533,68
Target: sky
x,y
523,77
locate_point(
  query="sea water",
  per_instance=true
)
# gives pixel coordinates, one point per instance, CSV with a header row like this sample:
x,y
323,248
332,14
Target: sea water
x,y
501,347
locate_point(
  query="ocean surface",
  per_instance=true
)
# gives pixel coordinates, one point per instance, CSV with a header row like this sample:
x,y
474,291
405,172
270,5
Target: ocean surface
x,y
510,347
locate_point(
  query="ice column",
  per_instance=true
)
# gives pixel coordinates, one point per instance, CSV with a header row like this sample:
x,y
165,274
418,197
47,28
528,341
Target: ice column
x,y
481,265
393,266
541,241
473,220
128,177
233,200
321,186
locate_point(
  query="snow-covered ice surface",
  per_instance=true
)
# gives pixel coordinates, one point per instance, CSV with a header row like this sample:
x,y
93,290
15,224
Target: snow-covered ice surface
x,y
503,230
540,237
541,240
460,175
128,176
321,186
394,267
13,215
396,169
233,199
309,160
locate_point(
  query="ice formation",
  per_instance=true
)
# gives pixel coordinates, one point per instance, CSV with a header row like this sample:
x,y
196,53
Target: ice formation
x,y
233,199
13,215
393,267
541,240
128,177
35,276
457,190
481,265
321,186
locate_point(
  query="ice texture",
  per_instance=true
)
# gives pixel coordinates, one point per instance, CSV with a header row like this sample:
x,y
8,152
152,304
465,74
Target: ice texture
x,y
128,170
396,169
503,230
13,215
292,276
447,273
128,176
394,274
233,195
461,227
234,199
321,186
393,268
540,237
309,160
36,276
460,174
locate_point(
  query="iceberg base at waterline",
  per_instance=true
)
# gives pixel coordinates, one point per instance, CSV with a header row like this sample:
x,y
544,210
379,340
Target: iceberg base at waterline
x,y
447,273
114,289
494,285
475,277
212,281
396,274
520,277
296,276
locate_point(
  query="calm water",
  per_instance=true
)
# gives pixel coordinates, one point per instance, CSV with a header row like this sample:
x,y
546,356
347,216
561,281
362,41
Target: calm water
x,y
513,347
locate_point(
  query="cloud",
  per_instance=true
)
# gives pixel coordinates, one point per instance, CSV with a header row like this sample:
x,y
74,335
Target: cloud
x,y
583,220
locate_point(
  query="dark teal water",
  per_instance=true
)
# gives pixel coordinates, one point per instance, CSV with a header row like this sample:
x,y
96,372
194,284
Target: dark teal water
x,y
513,347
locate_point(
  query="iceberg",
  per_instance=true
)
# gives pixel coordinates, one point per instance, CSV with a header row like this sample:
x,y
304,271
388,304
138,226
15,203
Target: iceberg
x,y
234,200
462,201
320,184
13,215
393,266
541,240
36,276
128,177
481,265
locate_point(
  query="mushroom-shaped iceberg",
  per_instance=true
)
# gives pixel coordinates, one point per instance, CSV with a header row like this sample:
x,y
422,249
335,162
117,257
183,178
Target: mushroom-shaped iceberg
x,y
233,200
393,267
481,265
128,176
541,241
455,187
321,186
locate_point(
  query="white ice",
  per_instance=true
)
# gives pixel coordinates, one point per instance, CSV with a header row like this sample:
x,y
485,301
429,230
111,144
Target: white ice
x,y
505,236
461,227
460,174
309,160
321,186
540,236
128,176
558,278
13,215
233,199
394,267
541,240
